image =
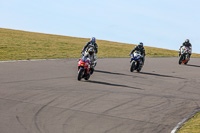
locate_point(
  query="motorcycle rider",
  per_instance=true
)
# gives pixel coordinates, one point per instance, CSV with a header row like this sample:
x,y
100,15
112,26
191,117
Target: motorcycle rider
x,y
91,43
141,49
186,44
89,54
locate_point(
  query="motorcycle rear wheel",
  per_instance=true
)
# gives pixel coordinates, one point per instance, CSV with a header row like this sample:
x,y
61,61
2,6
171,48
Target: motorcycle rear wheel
x,y
91,71
186,63
179,62
87,77
139,69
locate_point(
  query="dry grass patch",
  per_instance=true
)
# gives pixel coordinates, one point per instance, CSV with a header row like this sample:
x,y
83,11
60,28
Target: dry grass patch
x,y
192,126
22,45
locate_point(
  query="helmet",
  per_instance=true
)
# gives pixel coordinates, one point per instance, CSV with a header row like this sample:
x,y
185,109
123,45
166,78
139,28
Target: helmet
x,y
187,41
140,44
91,50
93,39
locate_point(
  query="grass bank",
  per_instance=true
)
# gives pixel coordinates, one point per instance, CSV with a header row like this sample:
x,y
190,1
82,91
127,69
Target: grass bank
x,y
192,126
22,45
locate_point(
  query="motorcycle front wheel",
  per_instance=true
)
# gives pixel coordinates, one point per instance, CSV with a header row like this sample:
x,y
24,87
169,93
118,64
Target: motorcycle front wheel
x,y
80,74
132,66
180,60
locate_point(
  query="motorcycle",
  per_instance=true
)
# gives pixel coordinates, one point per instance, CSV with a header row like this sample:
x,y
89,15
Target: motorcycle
x,y
136,62
84,68
93,60
184,57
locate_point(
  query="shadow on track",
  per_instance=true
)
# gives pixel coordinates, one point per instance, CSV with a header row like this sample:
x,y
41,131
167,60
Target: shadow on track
x,y
111,84
146,73
192,65
100,71
160,75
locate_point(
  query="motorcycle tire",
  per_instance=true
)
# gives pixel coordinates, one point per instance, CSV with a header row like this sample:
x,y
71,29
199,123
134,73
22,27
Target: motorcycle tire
x,y
80,74
91,71
87,77
95,64
186,63
132,66
139,69
180,61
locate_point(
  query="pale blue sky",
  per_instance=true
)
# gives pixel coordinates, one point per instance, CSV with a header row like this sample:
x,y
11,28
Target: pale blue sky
x,y
156,23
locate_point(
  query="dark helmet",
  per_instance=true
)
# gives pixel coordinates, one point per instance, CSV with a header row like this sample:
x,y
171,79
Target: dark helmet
x,y
187,40
91,51
93,40
140,44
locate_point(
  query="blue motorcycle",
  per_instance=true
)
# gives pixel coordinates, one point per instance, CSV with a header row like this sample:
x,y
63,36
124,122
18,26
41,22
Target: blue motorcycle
x,y
136,62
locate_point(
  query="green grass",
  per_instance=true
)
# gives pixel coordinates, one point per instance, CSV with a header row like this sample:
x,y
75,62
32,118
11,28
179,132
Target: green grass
x,y
192,126
22,45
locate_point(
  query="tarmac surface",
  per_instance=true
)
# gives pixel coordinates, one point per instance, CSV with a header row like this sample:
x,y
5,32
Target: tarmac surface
x,y
46,97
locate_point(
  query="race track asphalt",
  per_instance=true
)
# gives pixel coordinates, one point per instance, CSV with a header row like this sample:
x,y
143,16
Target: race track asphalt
x,y
46,97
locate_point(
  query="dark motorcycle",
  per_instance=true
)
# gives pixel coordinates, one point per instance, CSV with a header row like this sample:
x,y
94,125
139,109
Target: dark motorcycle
x,y
184,57
136,62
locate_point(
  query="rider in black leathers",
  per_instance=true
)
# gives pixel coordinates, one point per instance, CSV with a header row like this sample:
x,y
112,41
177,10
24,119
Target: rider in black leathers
x,y
141,49
91,43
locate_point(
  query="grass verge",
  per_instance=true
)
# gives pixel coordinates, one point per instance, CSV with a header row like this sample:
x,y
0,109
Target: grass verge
x,y
22,45
192,126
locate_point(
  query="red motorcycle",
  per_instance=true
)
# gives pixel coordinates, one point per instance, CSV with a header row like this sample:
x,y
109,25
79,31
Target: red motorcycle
x,y
84,69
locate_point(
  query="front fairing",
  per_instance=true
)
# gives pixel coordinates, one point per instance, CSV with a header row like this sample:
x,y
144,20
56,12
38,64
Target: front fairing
x,y
136,56
84,63
185,50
